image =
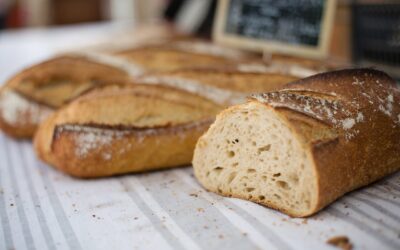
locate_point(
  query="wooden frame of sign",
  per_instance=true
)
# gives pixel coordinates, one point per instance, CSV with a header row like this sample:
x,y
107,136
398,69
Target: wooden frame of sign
x,y
270,46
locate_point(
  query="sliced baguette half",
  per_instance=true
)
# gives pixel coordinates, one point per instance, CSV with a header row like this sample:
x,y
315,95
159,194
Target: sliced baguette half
x,y
300,148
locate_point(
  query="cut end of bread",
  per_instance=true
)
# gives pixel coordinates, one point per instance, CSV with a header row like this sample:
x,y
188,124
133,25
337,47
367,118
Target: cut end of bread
x,y
19,116
252,153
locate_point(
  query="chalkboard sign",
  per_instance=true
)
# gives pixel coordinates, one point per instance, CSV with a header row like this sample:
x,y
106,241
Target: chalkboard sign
x,y
300,27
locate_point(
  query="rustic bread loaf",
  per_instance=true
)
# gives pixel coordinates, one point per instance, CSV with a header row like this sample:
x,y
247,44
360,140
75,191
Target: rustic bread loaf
x,y
300,148
120,129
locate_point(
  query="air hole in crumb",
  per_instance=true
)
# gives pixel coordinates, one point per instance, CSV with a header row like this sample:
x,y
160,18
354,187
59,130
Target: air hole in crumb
x,y
235,164
265,148
282,184
276,175
264,178
231,177
231,154
261,197
253,143
235,141
277,196
218,169
250,196
302,166
276,158
251,170
208,173
219,190
250,189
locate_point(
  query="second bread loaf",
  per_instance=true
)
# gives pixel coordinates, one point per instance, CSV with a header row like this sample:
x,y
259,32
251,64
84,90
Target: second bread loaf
x,y
116,130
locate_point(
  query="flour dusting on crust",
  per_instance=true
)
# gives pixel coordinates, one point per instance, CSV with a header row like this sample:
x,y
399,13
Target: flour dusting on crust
x,y
215,94
89,139
17,110
341,111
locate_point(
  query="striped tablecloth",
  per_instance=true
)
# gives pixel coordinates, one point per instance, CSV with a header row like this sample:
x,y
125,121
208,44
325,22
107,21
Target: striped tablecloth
x,y
41,208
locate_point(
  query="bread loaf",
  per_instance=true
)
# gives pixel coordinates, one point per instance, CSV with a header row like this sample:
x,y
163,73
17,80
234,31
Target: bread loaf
x,y
115,130
300,148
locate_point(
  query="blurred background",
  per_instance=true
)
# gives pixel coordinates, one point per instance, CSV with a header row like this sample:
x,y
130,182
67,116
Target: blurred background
x,y
34,13
366,32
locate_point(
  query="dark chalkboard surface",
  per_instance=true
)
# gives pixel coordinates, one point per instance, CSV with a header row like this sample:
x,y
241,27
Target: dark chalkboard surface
x,y
276,25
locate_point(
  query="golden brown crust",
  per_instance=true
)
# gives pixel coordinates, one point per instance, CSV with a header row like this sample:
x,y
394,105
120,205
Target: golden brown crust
x,y
231,78
129,150
349,122
309,63
70,67
182,54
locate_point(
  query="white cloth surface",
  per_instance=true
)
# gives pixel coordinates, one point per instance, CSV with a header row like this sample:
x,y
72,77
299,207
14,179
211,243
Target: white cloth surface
x,y
41,208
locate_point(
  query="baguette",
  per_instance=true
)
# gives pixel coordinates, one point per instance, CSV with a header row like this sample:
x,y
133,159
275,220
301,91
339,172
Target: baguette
x,y
165,140
120,129
302,147
33,94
